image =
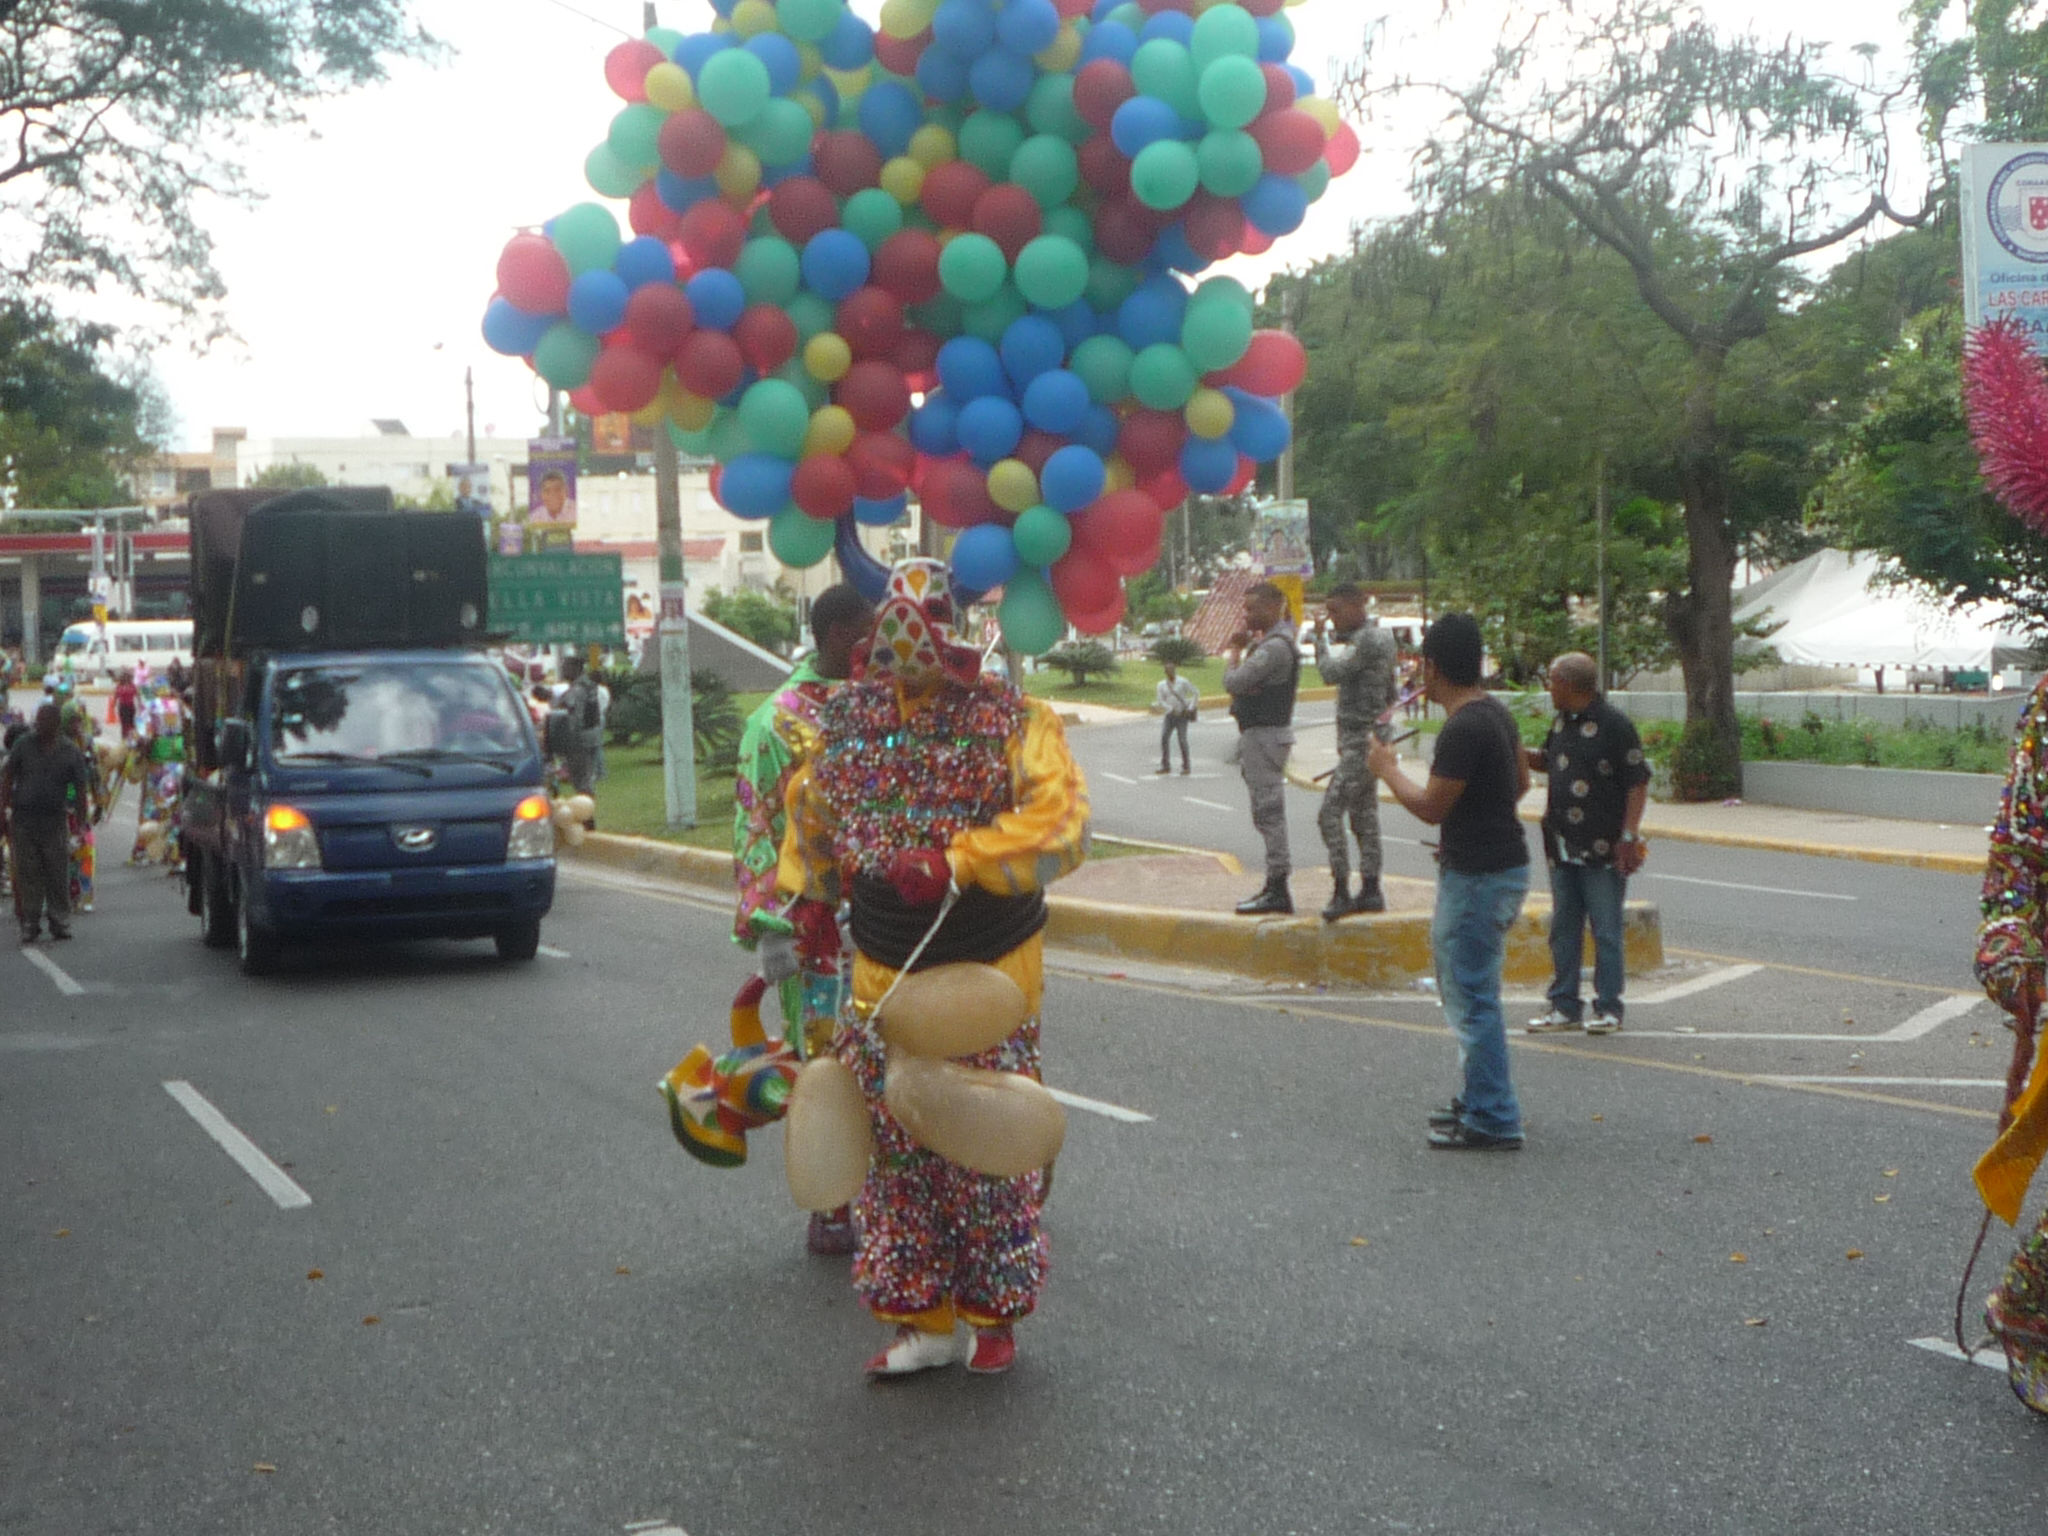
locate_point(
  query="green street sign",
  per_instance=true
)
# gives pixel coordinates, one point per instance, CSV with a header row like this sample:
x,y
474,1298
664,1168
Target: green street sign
x,y
559,599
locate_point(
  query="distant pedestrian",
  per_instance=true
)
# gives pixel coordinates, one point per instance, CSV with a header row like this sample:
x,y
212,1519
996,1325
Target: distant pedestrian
x,y
1263,673
581,704
126,695
42,772
1476,781
1178,701
1592,841
1359,658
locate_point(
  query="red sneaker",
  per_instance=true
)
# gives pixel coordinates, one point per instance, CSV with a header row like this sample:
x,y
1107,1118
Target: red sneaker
x,y
995,1351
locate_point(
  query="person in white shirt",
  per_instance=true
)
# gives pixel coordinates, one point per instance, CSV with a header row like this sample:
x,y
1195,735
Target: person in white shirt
x,y
1177,699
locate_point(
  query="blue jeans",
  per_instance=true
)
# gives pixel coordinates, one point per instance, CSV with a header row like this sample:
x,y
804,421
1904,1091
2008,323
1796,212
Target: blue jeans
x,y
1469,938
1580,894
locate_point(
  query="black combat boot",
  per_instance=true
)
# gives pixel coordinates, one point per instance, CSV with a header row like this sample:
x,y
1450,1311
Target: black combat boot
x,y
1369,898
1340,902
1272,900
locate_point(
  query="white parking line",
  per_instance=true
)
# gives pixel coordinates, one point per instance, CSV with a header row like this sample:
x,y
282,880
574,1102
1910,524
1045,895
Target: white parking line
x,y
1888,1082
1990,1359
274,1181
54,971
1932,1017
1097,1107
1207,805
552,953
1766,890
1116,776
1714,978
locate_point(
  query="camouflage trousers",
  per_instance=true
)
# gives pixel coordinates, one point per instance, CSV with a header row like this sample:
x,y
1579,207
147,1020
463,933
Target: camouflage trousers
x,y
1353,796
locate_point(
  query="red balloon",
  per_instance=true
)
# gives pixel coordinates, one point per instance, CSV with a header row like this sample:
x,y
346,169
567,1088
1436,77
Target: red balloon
x,y
1264,7
1125,230
1247,472
713,234
1291,141
1256,241
1100,88
1122,531
767,337
1151,440
823,486
532,274
846,162
871,320
585,400
626,66
950,193
802,207
907,265
899,55
1082,583
1166,488
1215,225
1070,9
1280,92
1037,447
875,395
917,358
709,363
955,495
649,215
1341,153
1103,622
1104,168
691,143
658,317
625,378
1274,365
883,464
1010,216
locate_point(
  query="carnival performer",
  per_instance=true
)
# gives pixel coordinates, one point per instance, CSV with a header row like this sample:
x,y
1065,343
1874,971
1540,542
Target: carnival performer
x,y
161,755
780,738
81,844
940,804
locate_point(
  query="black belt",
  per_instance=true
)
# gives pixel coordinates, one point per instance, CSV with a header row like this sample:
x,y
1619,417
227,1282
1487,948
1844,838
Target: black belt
x,y
981,927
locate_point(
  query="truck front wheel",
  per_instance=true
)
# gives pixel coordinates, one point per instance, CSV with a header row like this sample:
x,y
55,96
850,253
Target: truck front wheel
x,y
257,948
216,909
518,941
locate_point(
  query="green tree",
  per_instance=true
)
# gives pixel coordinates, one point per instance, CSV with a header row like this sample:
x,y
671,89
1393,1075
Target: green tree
x,y
766,619
70,432
1082,659
288,477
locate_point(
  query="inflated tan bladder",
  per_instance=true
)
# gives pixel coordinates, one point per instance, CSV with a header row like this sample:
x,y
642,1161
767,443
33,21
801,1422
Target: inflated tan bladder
x,y
828,1143
998,1123
953,1010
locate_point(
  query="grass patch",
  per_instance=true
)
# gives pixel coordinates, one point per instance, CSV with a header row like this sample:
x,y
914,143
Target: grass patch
x,y
1136,680
1855,743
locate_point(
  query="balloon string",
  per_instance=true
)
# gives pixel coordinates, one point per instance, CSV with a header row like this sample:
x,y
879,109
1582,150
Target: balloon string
x,y
945,908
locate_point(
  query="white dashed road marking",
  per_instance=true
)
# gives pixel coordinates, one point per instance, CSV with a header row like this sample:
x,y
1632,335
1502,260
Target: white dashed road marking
x,y
1098,1107
552,953
1766,890
1116,776
1991,1359
1932,1017
273,1180
1207,805
1714,978
1888,1082
53,970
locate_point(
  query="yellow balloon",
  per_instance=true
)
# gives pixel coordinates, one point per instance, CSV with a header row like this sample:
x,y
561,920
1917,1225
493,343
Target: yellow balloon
x,y
903,179
997,1123
932,146
1324,112
1062,53
849,83
1210,413
832,430
828,1141
904,19
1118,475
649,415
739,173
827,356
810,62
960,1009
750,18
1012,486
669,88
692,413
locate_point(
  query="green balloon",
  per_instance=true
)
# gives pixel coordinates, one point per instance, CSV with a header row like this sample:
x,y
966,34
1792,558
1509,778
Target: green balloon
x,y
770,270
941,316
1215,333
799,540
564,355
1052,272
608,175
733,86
1224,288
813,315
872,216
1104,365
1110,282
1163,378
780,133
1224,31
1230,161
728,438
1051,109
1165,175
810,21
1071,223
1046,167
695,444
988,139
798,377
1162,68
971,268
990,321
667,39
635,134
1232,91
1315,181
587,236
1042,536
1129,15
1030,614
775,416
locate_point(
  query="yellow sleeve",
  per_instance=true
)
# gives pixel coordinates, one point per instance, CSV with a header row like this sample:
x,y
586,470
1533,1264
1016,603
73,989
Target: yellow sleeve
x,y
1046,836
807,867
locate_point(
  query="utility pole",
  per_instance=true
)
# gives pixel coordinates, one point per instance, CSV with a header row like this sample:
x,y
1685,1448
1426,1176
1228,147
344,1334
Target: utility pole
x,y
1600,522
1290,301
469,401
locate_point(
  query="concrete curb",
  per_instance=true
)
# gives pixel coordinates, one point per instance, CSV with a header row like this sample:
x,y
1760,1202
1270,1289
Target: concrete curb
x,y
1387,949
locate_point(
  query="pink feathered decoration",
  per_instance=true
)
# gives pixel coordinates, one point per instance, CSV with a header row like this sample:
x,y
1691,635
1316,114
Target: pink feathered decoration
x,y
2006,395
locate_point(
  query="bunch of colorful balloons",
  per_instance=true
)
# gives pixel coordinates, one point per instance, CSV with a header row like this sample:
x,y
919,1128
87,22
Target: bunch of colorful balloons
x,y
958,255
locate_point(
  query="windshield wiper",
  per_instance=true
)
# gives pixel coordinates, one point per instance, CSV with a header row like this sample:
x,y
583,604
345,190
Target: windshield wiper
x,y
355,760
450,755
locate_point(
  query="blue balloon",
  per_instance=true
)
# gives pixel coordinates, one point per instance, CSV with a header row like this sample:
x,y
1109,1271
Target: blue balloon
x,y
889,114
643,261
1172,250
828,98
964,28
970,368
1152,314
1208,464
1072,479
776,175
1260,431
1031,346
1141,121
679,194
868,576
984,556
1109,40
880,514
835,263
1002,80
851,45
941,75
1028,26
755,485
1276,40
597,302
1077,322
693,51
1056,401
785,65
716,298
1276,206
935,426
990,429
1304,82
1174,25
511,330
1098,430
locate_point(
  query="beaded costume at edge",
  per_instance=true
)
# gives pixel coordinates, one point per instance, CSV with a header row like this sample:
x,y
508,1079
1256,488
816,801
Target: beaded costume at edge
x,y
926,764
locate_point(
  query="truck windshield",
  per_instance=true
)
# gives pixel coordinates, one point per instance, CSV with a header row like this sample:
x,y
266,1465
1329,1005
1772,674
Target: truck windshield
x,y
369,710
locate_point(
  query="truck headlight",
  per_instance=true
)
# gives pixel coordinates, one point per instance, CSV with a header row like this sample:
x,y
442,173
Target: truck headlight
x,y
533,830
289,841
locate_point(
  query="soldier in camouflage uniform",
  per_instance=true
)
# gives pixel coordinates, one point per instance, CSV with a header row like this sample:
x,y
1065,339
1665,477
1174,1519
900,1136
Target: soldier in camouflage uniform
x,y
1359,659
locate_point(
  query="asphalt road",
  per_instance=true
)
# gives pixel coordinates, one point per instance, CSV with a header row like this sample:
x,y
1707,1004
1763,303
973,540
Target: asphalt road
x,y
1272,1309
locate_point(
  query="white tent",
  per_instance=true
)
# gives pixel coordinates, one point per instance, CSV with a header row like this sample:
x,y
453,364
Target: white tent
x,y
1837,611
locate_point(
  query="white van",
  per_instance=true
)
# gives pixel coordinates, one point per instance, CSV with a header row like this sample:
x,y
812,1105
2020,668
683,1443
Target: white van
x,y
98,652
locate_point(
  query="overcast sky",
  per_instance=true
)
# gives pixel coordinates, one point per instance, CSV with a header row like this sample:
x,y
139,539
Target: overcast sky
x,y
357,287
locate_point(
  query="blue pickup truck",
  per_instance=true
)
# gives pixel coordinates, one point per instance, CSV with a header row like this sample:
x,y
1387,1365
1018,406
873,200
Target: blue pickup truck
x,y
356,767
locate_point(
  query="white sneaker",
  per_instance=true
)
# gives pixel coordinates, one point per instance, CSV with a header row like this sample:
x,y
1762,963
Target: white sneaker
x,y
915,1350
1553,1023
1603,1024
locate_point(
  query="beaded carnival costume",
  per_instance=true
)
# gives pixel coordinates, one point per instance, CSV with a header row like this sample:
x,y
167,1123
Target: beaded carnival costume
x,y
926,765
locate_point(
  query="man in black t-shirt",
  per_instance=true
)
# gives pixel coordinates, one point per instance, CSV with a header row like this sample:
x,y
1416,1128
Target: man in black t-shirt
x,y
1476,781
42,773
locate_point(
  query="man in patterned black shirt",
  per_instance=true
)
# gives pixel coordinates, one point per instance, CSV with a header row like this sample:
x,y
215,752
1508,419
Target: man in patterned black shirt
x,y
1592,841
